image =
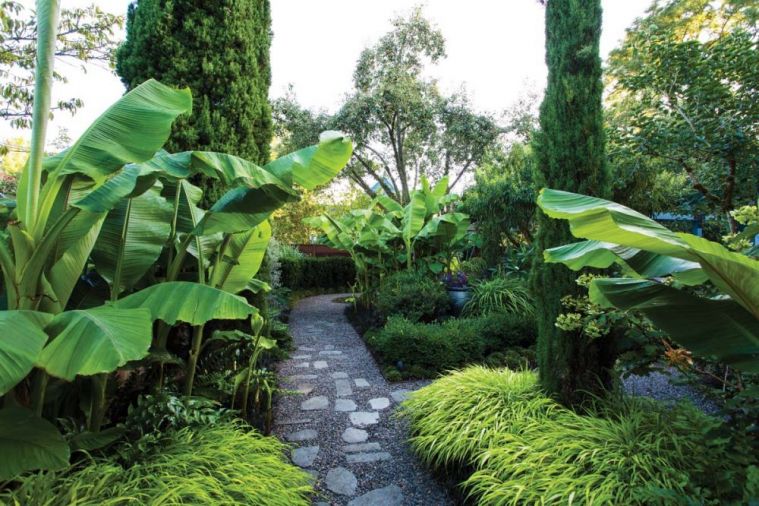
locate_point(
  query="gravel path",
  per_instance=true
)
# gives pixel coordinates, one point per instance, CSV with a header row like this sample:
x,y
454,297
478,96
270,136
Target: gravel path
x,y
340,422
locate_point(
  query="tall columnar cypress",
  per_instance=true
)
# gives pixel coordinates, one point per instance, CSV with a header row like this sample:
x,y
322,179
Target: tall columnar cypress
x,y
220,50
571,157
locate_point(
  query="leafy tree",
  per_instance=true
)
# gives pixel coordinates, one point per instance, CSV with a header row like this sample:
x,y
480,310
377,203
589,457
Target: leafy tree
x,y
220,50
402,126
84,36
570,154
685,93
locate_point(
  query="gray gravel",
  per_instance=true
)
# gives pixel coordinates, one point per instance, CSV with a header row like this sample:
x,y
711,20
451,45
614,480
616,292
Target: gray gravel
x,y
332,361
662,387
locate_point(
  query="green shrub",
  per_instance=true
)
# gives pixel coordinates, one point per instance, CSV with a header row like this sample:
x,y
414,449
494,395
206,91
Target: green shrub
x,y
426,349
500,294
165,411
524,448
222,464
412,295
305,273
474,268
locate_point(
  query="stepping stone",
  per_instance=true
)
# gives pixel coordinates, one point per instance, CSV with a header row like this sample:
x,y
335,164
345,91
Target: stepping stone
x,y
400,395
302,365
359,458
361,383
364,418
320,364
362,447
304,456
345,405
343,388
339,375
314,475
303,377
379,403
386,496
315,403
305,389
330,352
302,435
297,421
301,357
353,435
329,347
341,481
305,348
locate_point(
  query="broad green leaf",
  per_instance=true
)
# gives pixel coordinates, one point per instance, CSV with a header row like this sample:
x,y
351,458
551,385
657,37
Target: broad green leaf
x,y
93,341
242,259
258,286
709,328
602,220
21,341
413,216
389,205
241,209
133,234
315,165
28,442
88,441
187,302
636,262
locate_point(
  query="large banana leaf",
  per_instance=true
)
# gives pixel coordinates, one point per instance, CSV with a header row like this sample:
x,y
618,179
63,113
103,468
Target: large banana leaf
x,y
602,220
315,165
710,328
92,341
187,302
413,216
132,238
242,259
21,341
240,209
29,442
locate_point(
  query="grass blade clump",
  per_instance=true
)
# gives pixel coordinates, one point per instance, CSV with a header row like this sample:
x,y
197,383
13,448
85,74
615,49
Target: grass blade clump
x,y
222,465
526,449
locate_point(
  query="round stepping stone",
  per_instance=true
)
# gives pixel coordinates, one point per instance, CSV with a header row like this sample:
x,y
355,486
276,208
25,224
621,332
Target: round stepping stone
x,y
345,405
379,403
304,456
353,435
315,403
339,375
360,458
319,364
361,383
400,395
304,389
302,435
392,495
341,481
362,447
364,418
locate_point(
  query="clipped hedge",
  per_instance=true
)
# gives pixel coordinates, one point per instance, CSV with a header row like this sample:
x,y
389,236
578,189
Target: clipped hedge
x,y
427,349
307,273
517,446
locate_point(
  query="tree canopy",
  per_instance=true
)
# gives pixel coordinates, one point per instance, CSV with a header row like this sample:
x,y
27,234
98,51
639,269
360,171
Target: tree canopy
x,y
85,35
402,125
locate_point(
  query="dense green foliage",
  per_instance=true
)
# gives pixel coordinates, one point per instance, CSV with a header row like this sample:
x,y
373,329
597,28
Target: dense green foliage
x,y
220,50
307,273
424,350
221,464
412,295
522,447
507,294
570,153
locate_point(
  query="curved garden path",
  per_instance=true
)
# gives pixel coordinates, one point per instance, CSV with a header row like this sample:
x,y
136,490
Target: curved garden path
x,y
341,422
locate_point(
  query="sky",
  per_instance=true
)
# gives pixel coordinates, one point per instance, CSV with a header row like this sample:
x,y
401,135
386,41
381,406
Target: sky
x,y
495,50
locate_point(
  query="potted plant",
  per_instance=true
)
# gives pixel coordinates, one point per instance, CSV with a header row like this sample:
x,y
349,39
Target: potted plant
x,y
457,285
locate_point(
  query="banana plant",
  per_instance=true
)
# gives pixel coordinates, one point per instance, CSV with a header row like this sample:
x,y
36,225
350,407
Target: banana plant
x,y
725,327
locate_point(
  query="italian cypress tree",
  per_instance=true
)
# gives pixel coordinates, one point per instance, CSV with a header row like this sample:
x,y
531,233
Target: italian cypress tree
x,y
220,50
571,157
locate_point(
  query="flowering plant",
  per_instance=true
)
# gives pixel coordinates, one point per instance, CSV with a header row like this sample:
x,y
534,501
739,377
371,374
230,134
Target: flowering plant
x,y
454,280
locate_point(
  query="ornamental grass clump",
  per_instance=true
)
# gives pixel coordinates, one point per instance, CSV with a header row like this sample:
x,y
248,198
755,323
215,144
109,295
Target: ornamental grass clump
x,y
222,464
520,447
